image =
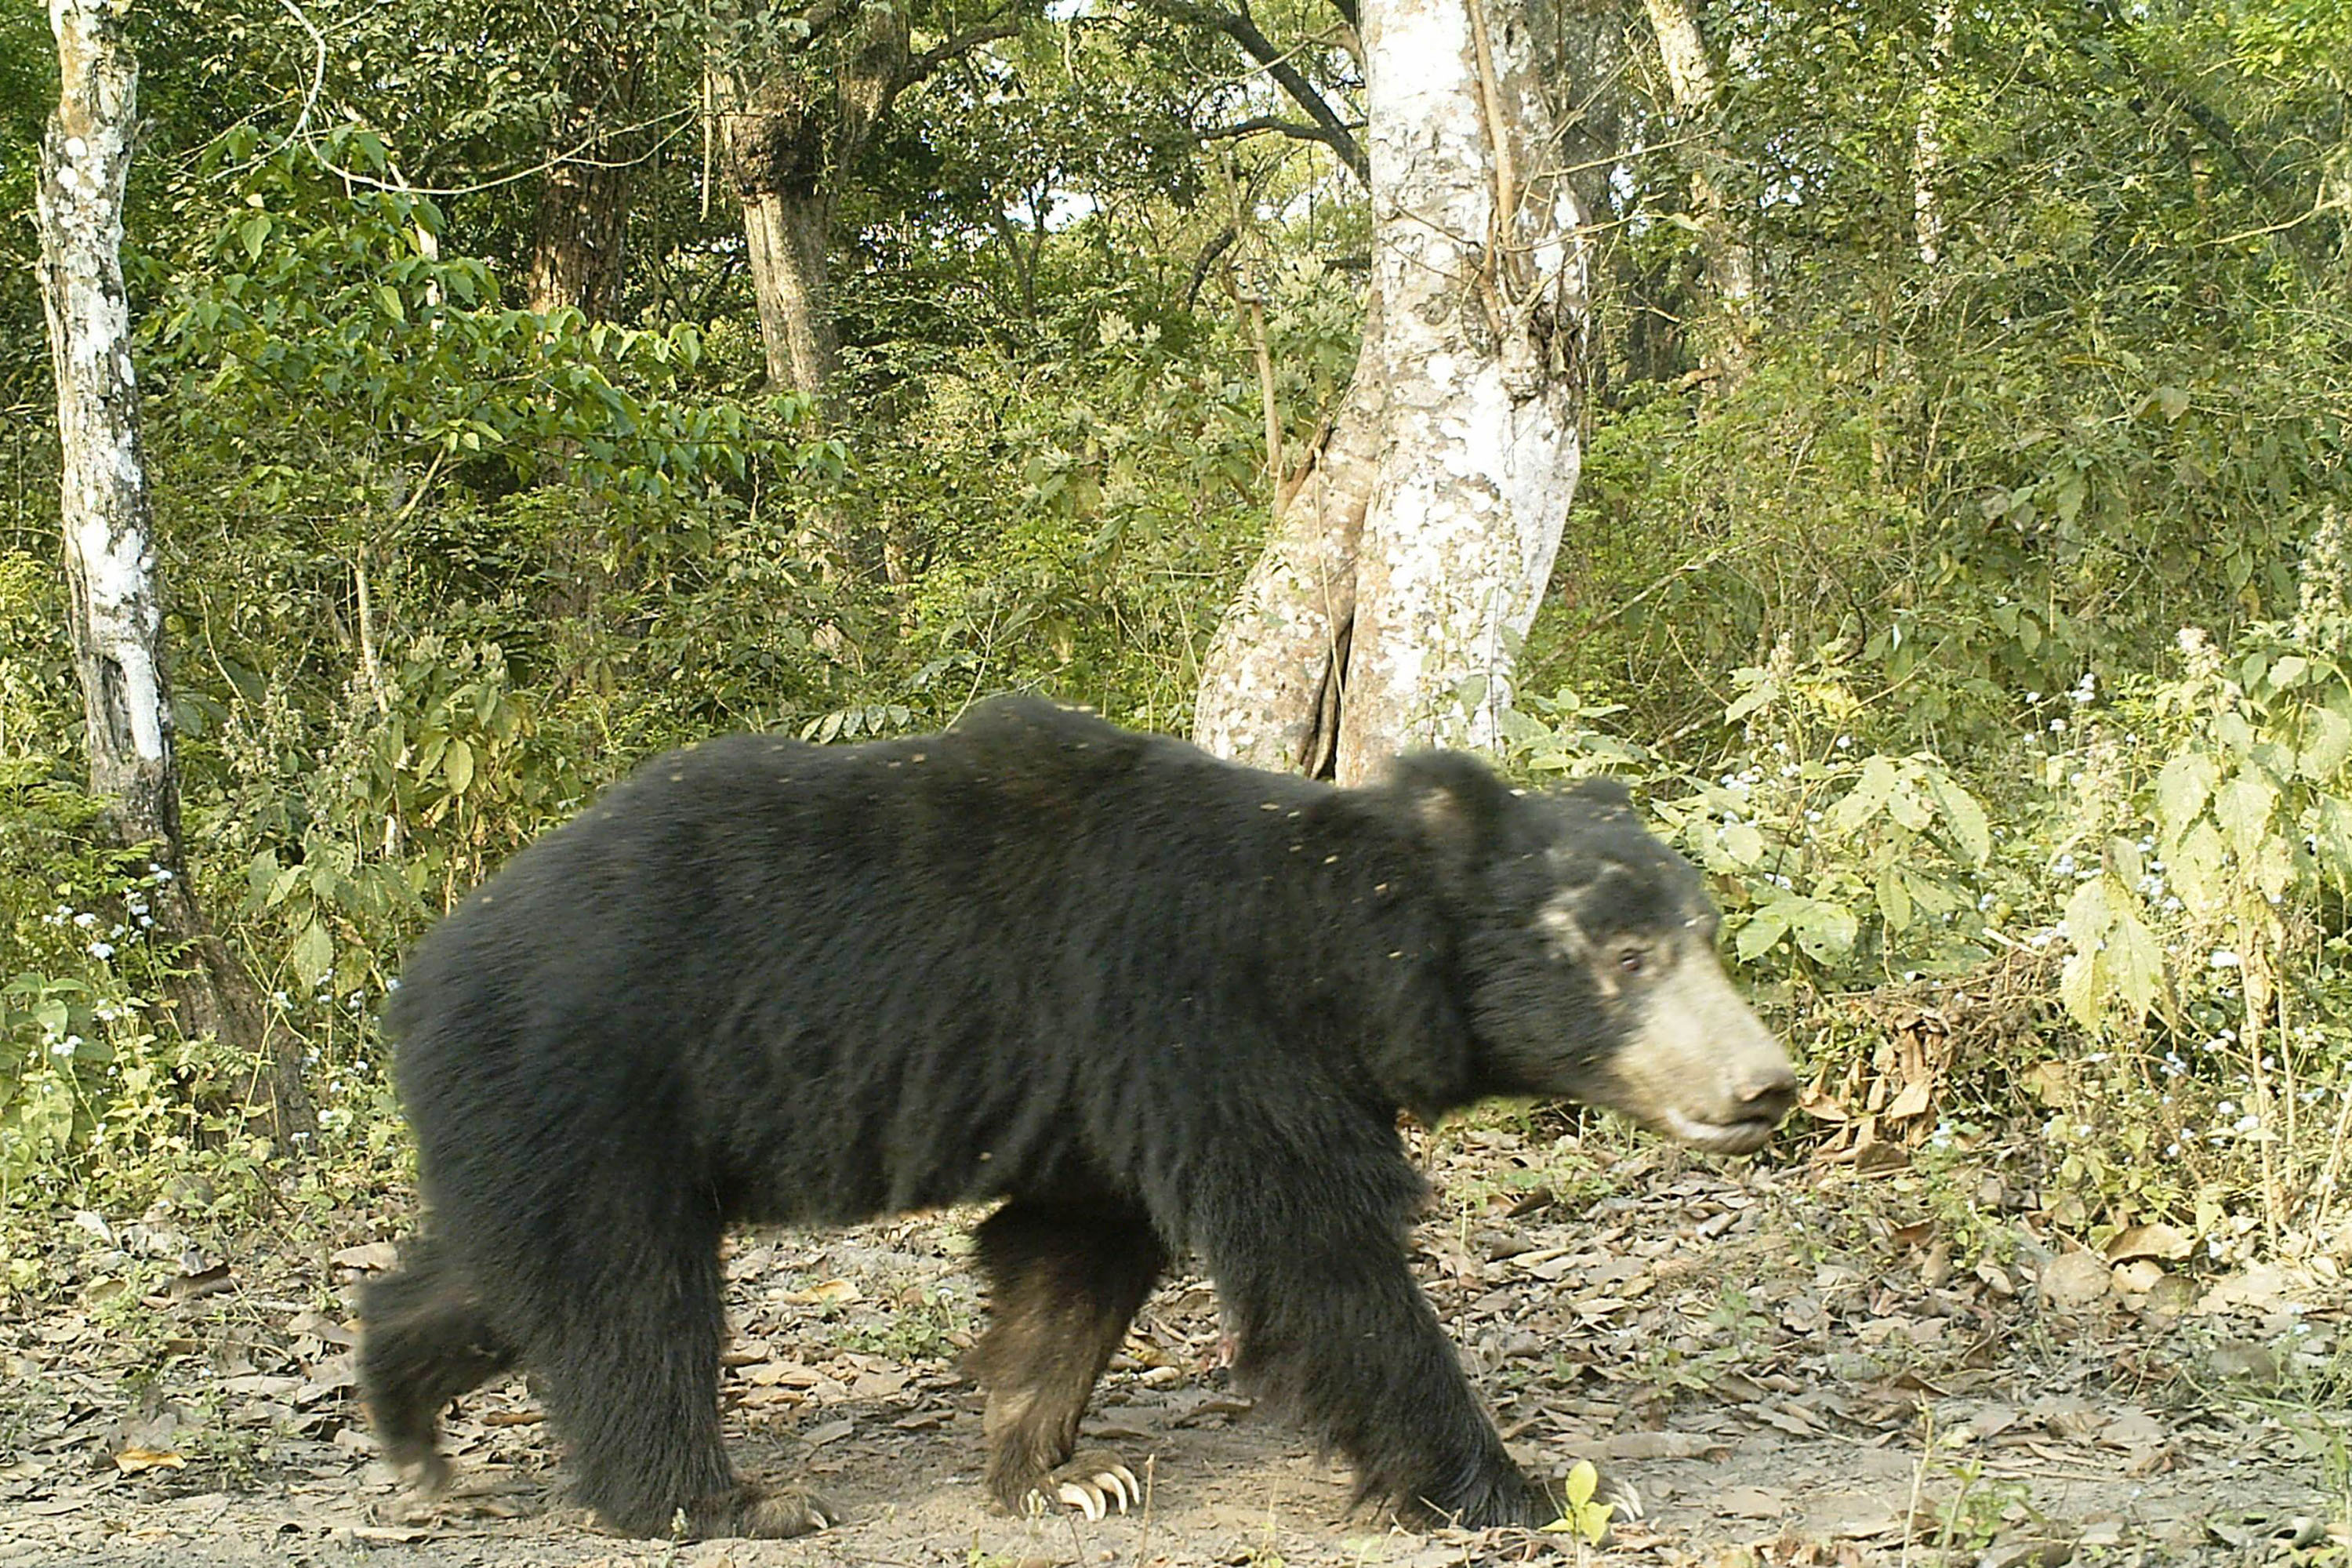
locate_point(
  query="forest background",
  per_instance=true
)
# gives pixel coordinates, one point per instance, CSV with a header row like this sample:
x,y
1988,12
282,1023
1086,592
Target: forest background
x,y
1959,563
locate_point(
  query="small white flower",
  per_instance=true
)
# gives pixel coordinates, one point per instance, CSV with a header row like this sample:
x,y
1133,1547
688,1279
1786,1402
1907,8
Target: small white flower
x,y
2222,959
101,950
85,919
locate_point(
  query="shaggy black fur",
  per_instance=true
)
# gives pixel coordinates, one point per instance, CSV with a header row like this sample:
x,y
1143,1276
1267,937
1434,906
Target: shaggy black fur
x,y
1155,1001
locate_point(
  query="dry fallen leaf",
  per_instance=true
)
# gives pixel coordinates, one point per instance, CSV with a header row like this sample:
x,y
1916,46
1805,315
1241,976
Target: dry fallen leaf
x,y
1752,1502
367,1257
832,1293
2075,1281
2159,1241
131,1461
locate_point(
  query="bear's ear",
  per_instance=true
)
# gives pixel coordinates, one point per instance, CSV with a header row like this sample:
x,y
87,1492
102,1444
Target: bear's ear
x,y
1456,799
1602,792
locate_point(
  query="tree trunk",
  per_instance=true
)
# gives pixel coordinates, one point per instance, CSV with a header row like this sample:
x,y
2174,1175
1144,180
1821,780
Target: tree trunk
x,y
785,234
1271,683
1928,144
1356,639
114,601
1731,267
580,239
790,133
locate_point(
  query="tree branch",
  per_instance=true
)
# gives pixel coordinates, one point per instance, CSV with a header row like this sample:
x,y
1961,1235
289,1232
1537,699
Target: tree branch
x,y
1290,128
1208,258
956,47
1237,25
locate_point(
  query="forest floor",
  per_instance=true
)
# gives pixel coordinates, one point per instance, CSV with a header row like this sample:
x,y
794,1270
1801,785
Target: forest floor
x,y
1793,1365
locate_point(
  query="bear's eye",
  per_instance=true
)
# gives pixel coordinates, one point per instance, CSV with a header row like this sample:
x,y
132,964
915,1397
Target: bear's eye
x,y
1633,961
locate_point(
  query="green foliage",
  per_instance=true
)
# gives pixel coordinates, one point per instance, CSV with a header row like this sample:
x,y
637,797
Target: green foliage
x,y
87,1069
333,310
1833,864
1579,1515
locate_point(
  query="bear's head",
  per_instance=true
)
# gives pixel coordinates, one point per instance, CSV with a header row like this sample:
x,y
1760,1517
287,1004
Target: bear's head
x,y
1586,956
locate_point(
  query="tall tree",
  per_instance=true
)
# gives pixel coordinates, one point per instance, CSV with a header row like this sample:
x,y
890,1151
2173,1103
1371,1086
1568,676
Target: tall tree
x,y
114,599
797,95
1386,611
1731,267
581,227
1928,140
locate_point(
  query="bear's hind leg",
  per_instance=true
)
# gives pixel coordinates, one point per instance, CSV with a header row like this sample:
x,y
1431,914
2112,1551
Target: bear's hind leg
x,y
426,1342
625,1326
1065,1280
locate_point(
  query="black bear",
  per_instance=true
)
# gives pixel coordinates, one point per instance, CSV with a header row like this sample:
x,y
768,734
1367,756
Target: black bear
x,y
1151,1001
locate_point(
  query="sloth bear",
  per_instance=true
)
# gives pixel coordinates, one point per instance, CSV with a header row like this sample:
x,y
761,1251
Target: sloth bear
x,y
1148,1001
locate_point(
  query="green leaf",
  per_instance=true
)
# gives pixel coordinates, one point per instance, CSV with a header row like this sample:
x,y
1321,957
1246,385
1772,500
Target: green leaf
x,y
2137,963
1971,833
2334,836
457,766
255,232
1867,797
1894,898
2243,810
2173,401
2078,988
2088,915
2327,741
314,953
1762,691
1764,928
260,873
2181,791
1582,1482
1743,844
1824,929
2196,866
1908,807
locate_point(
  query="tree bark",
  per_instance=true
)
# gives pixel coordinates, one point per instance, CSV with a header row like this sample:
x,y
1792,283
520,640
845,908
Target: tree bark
x,y
1272,681
1730,266
1927,144
1401,574
790,133
114,603
580,238
785,232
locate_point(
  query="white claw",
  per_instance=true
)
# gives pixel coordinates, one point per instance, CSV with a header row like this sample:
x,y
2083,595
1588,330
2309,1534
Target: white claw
x,y
1628,1501
1086,1500
1130,1490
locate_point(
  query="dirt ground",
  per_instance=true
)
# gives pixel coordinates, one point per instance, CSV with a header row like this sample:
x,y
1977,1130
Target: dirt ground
x,y
1792,1364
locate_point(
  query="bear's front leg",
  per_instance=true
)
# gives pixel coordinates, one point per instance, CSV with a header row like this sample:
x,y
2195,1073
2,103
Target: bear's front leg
x,y
1309,1256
